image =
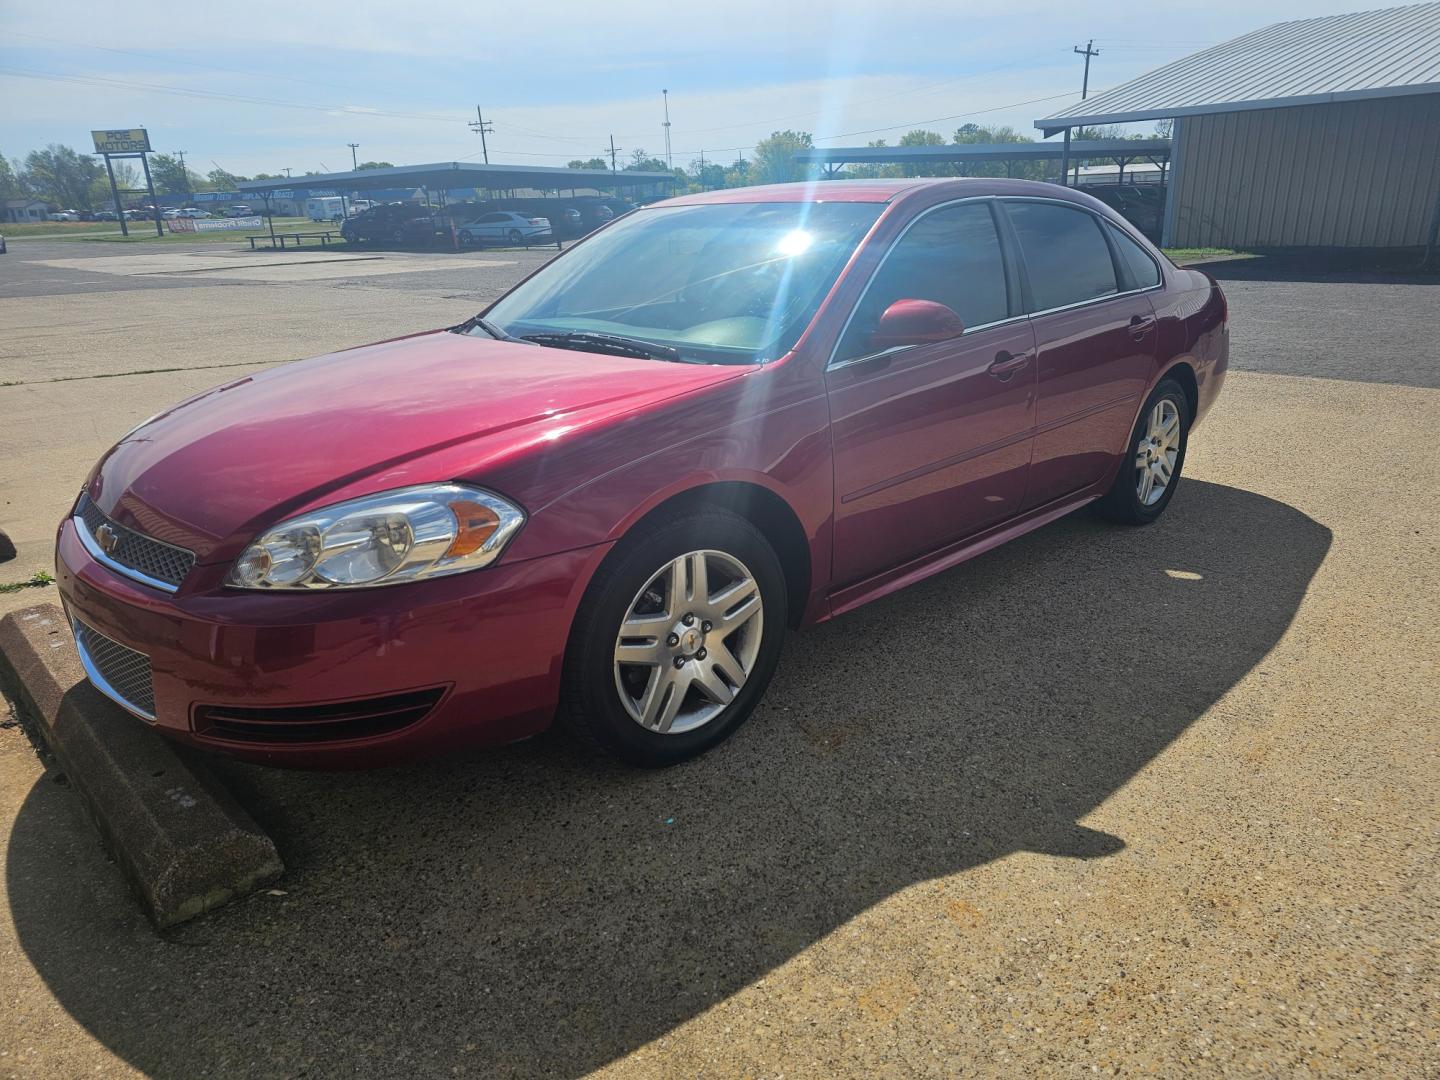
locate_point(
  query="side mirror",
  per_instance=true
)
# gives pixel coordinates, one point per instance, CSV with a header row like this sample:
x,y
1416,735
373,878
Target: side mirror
x,y
916,322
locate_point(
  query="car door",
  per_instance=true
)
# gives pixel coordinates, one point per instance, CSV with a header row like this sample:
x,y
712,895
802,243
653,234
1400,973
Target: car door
x,y
1095,338
931,443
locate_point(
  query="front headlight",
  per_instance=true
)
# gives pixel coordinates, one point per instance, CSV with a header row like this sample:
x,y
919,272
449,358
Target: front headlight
x,y
404,535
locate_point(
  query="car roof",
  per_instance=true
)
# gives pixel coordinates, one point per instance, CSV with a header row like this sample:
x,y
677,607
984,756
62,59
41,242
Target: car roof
x,y
872,191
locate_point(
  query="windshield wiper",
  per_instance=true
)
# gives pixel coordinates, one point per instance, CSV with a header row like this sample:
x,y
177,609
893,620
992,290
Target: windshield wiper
x,y
616,344
484,324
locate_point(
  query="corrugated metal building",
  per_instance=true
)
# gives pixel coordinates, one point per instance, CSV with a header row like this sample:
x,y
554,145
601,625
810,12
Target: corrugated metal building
x,y
1312,133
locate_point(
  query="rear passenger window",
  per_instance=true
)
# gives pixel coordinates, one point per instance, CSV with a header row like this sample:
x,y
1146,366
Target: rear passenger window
x,y
1143,271
952,256
1065,254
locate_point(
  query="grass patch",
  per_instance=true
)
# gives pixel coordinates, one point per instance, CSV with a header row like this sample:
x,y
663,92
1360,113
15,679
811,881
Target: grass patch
x,y
37,580
56,230
1181,256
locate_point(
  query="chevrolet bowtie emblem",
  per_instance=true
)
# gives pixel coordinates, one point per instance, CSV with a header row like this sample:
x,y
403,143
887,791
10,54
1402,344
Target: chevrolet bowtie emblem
x,y
107,538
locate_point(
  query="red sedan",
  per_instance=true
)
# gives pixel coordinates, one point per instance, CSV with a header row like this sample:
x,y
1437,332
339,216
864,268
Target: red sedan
x,y
605,499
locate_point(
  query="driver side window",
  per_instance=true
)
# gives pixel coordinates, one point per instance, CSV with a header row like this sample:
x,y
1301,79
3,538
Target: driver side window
x,y
951,256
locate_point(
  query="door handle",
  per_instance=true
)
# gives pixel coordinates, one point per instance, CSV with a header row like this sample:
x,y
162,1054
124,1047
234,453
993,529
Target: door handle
x,y
1140,325
1006,364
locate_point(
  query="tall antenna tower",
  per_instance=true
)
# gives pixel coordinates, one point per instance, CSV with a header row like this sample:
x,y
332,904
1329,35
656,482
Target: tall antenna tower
x,y
669,164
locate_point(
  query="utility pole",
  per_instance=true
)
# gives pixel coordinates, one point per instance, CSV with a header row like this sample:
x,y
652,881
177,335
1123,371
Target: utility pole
x,y
1086,52
184,176
481,126
354,159
669,164
287,172
613,152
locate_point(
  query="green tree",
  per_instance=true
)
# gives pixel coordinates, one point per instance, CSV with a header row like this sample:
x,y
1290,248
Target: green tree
x,y
9,182
374,165
738,174
222,180
171,179
593,163
61,174
127,176
981,135
774,158
640,161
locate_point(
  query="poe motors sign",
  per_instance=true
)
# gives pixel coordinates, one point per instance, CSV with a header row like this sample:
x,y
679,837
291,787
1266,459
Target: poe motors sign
x,y
122,141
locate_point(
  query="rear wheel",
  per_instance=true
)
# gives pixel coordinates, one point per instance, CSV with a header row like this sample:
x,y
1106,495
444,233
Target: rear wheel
x,y
397,237
1150,472
676,639
514,237
467,238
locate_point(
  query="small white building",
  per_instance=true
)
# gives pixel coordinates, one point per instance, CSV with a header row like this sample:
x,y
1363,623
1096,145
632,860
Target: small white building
x,y
20,211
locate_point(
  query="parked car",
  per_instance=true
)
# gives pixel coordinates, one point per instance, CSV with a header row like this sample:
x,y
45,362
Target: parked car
x,y
503,227
393,223
238,210
192,212
106,215
172,214
607,497
62,215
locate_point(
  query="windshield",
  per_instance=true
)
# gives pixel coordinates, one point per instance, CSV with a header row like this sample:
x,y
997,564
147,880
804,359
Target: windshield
x,y
722,283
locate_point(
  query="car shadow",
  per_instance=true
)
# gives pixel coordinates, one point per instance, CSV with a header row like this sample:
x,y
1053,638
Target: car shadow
x,y
532,912
1390,267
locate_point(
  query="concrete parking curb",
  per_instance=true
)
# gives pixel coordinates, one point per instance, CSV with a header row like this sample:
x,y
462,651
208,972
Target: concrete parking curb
x,y
184,844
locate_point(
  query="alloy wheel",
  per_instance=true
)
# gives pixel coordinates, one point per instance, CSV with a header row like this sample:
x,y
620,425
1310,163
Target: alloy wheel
x,y
1157,452
689,641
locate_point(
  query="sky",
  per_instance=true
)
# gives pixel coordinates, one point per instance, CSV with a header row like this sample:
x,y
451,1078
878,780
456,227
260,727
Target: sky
x,y
289,86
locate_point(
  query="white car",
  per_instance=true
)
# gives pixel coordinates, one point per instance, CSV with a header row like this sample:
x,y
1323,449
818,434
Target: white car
x,y
171,215
503,227
192,212
63,215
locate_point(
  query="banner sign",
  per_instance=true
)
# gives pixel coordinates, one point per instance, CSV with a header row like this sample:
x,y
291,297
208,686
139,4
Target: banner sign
x,y
178,225
122,141
220,224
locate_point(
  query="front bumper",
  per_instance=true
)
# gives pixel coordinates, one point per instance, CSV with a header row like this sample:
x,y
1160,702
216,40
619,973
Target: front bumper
x,y
486,647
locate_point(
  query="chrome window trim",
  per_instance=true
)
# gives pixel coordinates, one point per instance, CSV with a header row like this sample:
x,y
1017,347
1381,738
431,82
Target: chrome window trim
x,y
834,365
1103,221
93,672
93,548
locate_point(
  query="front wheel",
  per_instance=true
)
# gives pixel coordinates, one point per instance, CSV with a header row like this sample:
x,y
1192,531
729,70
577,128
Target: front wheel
x,y
676,639
1150,472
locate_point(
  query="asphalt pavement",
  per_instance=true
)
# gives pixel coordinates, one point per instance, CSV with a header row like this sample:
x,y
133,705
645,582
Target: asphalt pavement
x,y
1104,800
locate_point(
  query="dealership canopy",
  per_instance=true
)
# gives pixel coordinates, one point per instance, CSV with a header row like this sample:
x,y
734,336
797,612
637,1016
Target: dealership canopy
x,y
447,175
960,153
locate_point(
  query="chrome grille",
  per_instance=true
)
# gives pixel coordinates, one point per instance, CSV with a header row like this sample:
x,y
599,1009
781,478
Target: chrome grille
x,y
116,671
134,554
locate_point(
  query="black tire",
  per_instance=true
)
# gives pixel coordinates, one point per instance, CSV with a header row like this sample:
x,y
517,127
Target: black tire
x,y
514,237
1122,503
397,237
590,703
467,238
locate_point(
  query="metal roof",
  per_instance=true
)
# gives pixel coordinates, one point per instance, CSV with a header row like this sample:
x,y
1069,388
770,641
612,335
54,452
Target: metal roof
x,y
1364,54
458,174
960,152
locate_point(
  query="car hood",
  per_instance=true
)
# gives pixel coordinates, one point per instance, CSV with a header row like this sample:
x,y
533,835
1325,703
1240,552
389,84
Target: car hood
x,y
212,471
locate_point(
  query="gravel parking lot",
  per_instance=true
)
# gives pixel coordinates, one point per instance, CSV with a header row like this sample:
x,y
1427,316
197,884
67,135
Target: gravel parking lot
x,y
1100,801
